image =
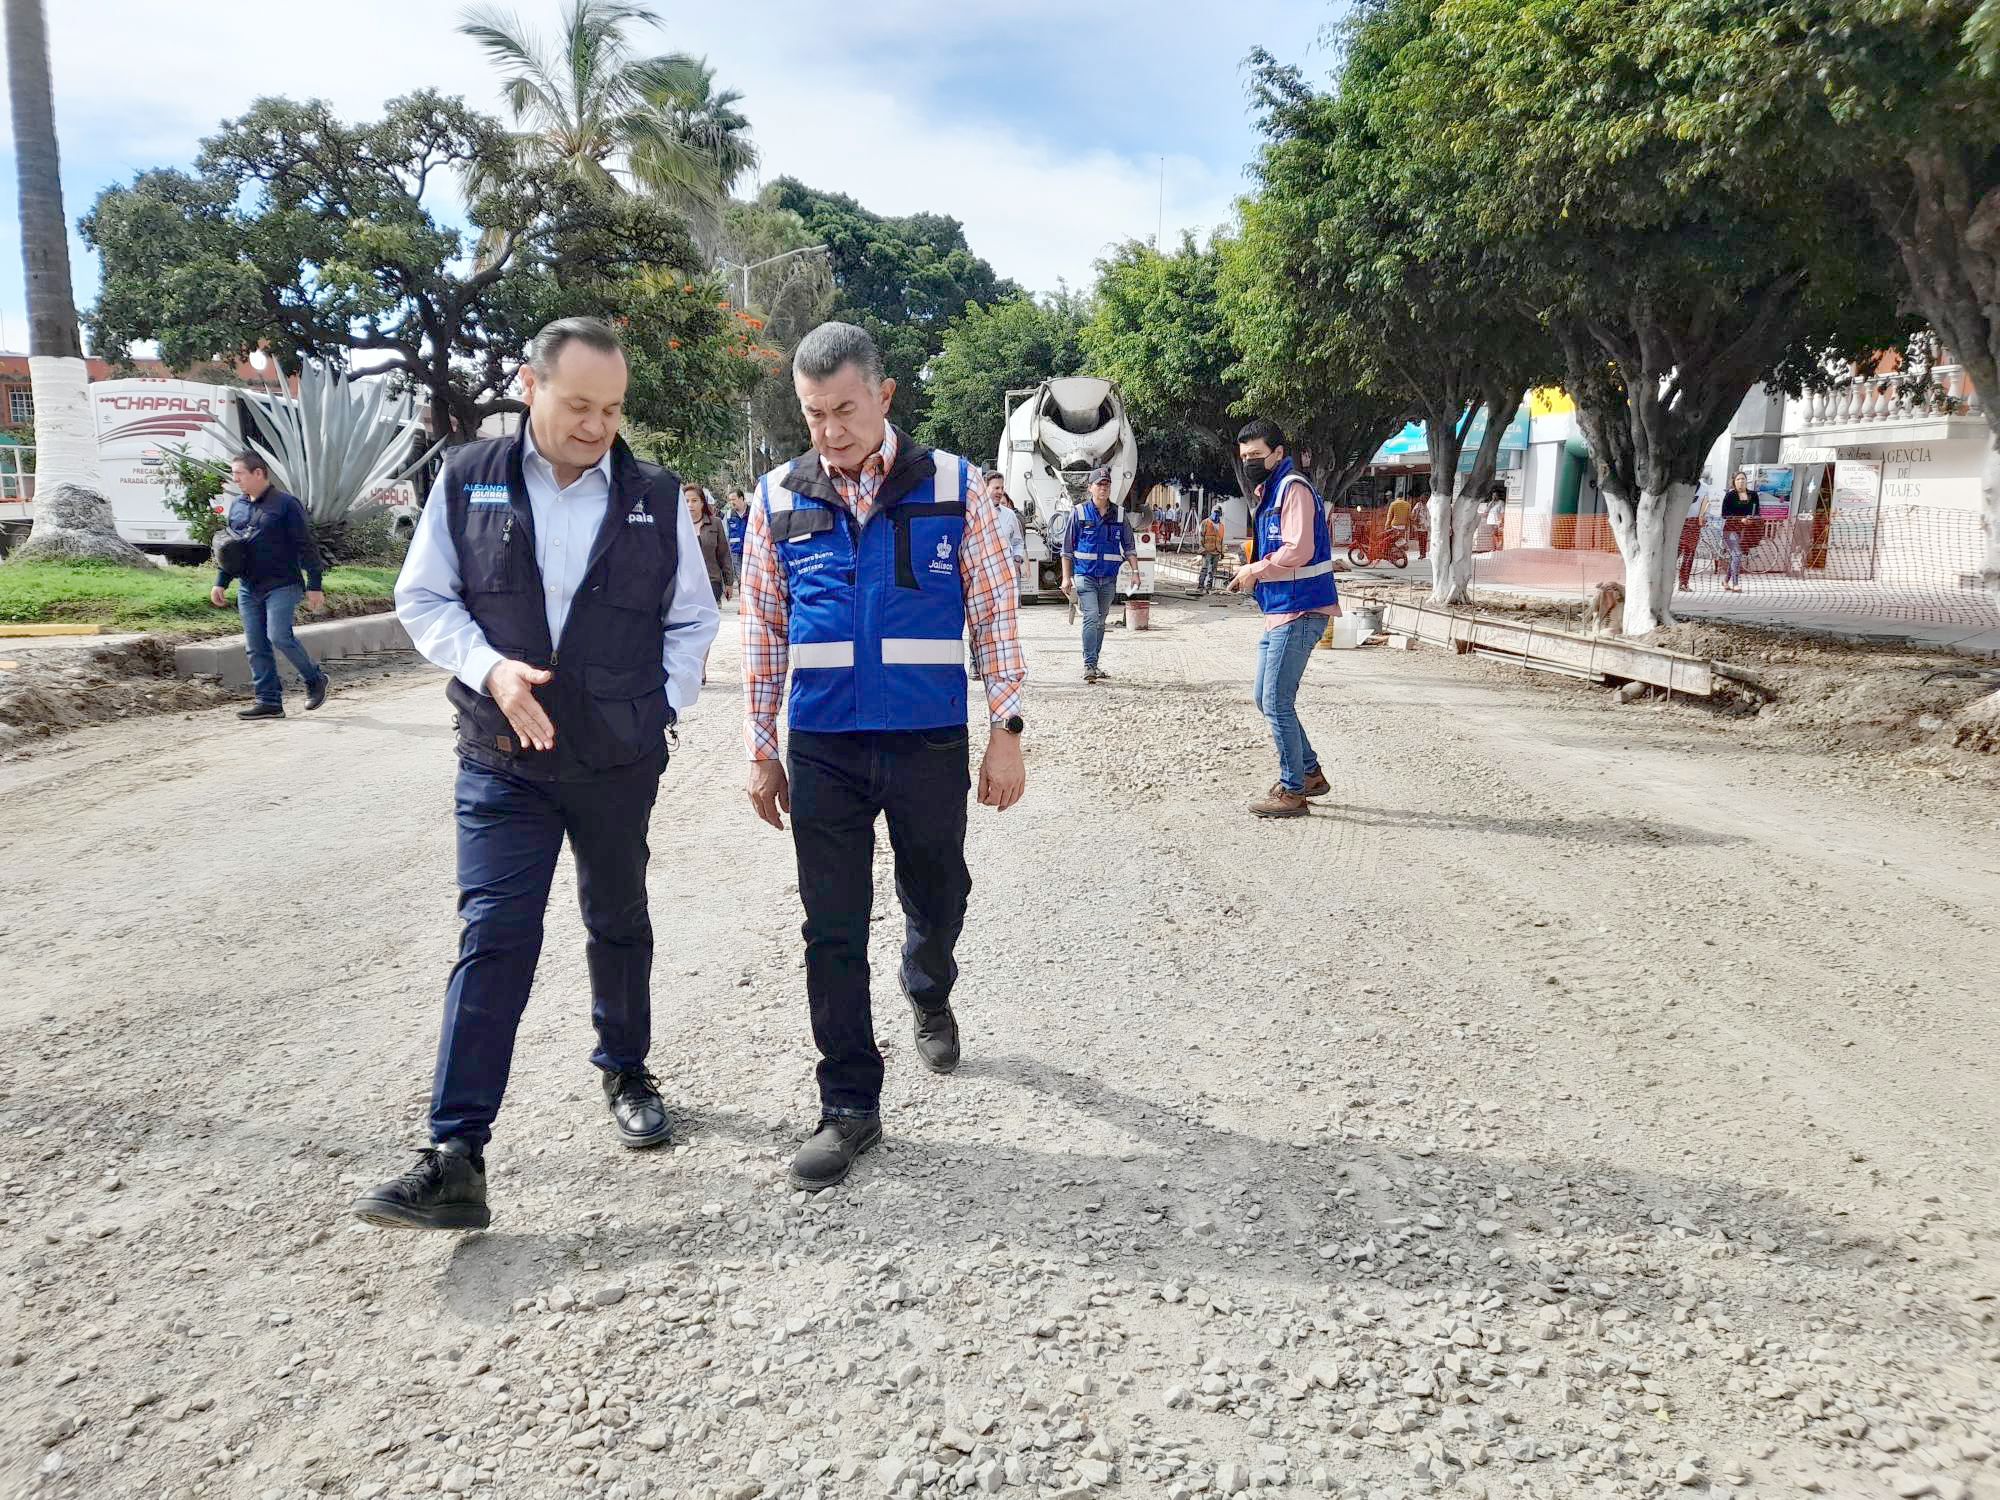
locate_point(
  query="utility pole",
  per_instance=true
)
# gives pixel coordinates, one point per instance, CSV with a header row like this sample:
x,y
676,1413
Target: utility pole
x,y
743,303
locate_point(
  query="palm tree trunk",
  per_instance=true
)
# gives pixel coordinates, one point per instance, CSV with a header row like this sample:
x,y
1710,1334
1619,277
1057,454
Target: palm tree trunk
x,y
72,517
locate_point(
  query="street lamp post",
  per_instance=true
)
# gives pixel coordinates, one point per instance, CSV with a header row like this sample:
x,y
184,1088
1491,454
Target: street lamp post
x,y
743,302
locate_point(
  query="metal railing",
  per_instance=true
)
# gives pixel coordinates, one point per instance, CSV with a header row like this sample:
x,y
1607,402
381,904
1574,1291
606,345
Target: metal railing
x,y
1896,397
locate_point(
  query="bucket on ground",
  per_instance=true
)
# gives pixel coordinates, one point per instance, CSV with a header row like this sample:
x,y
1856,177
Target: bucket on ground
x,y
1138,614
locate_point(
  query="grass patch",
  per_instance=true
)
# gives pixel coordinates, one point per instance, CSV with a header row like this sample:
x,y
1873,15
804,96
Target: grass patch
x,y
173,598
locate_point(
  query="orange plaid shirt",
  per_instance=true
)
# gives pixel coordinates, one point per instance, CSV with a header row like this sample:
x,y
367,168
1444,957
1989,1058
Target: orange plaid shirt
x,y
992,595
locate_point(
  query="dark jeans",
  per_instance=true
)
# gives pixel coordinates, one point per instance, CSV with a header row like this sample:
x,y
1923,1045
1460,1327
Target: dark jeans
x,y
510,831
840,784
267,623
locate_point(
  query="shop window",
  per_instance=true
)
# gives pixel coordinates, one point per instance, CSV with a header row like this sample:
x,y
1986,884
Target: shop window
x,y
20,405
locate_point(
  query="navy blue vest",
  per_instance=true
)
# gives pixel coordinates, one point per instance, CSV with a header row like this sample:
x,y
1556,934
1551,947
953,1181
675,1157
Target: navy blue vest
x,y
735,526
876,613
608,700
1096,543
1301,589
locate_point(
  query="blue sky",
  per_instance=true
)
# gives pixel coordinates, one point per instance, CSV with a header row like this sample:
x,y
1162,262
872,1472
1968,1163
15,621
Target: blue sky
x,y
1040,125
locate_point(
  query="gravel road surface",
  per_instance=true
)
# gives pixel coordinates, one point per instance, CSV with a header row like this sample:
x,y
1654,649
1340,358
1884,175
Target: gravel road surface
x,y
1585,1100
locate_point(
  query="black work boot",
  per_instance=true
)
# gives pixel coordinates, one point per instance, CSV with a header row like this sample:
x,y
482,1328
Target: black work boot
x,y
937,1036
829,1152
316,694
634,1098
262,711
446,1189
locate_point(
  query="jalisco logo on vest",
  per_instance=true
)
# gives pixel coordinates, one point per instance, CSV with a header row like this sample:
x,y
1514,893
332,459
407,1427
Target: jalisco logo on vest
x,y
943,562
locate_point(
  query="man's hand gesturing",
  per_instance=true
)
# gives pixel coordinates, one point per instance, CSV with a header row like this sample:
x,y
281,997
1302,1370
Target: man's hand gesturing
x,y
511,685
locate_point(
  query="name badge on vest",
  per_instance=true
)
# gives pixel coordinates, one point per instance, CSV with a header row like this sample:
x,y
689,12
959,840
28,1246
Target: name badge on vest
x,y
486,494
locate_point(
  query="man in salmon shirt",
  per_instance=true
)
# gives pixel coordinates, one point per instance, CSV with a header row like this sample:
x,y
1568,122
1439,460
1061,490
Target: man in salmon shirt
x,y
1292,573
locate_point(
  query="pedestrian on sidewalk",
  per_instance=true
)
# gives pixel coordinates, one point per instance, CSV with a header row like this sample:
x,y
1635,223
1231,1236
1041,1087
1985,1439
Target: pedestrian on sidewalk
x,y
272,554
555,544
1739,508
1690,538
1097,544
1293,579
866,561
712,540
1211,552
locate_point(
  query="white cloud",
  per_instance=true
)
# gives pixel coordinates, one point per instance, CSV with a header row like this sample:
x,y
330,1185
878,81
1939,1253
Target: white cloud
x,y
835,101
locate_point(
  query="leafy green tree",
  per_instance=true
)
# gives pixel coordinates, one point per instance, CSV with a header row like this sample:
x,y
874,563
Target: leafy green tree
x,y
316,238
790,296
1157,328
1293,368
1898,98
589,103
903,279
1357,285
1673,276
990,351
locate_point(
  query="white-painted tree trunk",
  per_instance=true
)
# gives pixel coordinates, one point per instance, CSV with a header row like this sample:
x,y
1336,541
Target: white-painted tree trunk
x,y
1454,523
1648,537
65,433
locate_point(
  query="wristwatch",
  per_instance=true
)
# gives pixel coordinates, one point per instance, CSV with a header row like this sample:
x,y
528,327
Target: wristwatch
x,y
1013,724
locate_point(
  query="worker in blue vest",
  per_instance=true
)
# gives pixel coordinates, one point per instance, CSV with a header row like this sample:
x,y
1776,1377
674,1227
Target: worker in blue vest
x,y
866,562
733,523
1292,573
556,577
1097,544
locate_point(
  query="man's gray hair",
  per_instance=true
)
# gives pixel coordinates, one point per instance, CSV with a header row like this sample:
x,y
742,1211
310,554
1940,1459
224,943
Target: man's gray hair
x,y
831,347
548,345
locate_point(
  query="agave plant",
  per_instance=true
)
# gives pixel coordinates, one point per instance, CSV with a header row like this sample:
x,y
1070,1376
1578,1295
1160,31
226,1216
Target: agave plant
x,y
338,443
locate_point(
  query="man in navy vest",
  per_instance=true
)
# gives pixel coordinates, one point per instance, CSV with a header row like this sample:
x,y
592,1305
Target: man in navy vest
x,y
733,523
557,579
1293,576
1097,544
865,563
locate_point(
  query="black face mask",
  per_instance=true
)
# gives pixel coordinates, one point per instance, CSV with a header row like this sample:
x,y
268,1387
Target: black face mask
x,y
1256,471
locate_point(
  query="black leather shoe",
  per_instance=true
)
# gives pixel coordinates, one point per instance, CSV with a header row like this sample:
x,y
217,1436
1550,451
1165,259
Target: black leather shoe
x,y
937,1037
262,711
634,1097
316,694
446,1189
829,1152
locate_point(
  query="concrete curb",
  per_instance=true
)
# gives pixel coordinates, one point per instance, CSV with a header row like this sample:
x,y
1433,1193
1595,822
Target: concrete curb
x,y
326,640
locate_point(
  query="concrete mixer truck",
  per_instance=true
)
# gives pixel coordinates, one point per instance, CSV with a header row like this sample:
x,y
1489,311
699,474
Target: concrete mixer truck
x,y
1054,435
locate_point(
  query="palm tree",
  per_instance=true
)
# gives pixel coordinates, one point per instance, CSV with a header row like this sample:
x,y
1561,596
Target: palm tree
x,y
613,117
72,517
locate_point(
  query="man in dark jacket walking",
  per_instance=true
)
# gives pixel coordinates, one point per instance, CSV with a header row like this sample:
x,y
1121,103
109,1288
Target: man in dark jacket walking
x,y
276,564
555,576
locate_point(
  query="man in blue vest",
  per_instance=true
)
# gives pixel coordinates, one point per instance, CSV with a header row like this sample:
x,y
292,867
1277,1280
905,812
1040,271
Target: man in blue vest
x,y
1293,576
733,523
1097,544
556,577
866,562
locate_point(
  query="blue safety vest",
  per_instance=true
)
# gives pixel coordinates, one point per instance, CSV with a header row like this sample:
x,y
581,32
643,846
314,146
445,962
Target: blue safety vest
x,y
1096,542
735,526
1298,589
876,613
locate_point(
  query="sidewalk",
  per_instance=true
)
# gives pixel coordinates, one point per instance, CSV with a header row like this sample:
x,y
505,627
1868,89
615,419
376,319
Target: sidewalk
x,y
1773,603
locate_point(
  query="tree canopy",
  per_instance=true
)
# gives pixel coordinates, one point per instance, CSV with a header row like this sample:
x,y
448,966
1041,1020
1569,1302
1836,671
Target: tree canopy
x,y
903,279
988,352
300,232
1157,328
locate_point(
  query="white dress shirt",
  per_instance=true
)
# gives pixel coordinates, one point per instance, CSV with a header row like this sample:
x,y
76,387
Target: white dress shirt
x,y
431,604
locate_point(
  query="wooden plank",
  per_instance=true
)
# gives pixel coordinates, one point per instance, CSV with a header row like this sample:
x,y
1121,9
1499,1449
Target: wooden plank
x,y
1539,646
